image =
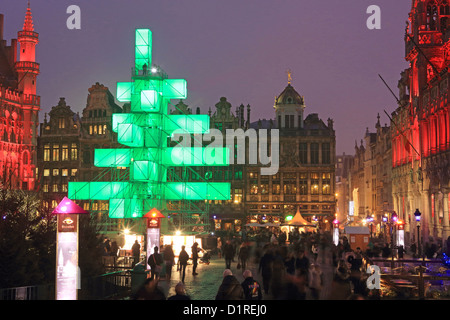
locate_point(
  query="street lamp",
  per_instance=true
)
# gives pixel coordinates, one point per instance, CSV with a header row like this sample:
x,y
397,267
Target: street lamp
x,y
394,219
418,214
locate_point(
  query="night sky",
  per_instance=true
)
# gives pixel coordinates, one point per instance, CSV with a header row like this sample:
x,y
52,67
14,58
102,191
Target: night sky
x,y
239,49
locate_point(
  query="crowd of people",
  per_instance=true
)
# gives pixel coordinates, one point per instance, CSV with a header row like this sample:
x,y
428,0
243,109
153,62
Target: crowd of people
x,y
288,270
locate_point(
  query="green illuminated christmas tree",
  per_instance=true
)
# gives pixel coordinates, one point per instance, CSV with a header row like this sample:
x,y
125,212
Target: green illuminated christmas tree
x,y
145,133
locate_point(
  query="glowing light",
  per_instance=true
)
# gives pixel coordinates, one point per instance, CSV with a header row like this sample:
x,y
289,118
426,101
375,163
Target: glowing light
x,y
145,130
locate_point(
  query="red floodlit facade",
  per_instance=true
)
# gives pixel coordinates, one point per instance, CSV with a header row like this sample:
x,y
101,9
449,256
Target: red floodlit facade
x,y
19,107
421,123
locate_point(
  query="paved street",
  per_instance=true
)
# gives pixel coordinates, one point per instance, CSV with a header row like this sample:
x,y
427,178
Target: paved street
x,y
204,286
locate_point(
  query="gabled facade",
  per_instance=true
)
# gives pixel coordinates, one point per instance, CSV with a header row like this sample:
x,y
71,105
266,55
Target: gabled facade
x,y
19,107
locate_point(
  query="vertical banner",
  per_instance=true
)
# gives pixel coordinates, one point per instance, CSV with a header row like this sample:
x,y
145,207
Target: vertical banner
x,y
67,264
153,231
336,236
153,239
67,270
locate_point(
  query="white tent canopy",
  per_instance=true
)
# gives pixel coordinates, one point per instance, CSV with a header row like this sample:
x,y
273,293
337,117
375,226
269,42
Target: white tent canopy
x,y
299,221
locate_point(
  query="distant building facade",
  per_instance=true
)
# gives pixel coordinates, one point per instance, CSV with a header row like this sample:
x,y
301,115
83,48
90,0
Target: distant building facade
x,y
306,177
370,184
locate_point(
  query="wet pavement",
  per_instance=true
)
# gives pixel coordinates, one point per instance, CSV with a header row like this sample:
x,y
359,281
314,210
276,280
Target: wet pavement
x,y
205,285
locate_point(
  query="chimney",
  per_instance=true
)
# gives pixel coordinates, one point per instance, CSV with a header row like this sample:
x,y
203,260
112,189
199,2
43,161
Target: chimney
x,y
1,26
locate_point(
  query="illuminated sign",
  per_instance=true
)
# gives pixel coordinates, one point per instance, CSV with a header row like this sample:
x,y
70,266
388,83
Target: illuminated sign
x,y
67,223
153,222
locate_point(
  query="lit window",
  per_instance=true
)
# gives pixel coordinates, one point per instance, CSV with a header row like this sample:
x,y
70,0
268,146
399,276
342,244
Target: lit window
x,y
74,152
64,172
55,152
65,152
47,152
61,123
46,172
55,172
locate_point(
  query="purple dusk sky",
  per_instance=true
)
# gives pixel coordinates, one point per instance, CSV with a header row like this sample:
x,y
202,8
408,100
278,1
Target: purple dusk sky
x,y
239,49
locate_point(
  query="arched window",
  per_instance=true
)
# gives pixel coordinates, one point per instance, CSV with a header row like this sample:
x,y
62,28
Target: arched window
x,y
432,16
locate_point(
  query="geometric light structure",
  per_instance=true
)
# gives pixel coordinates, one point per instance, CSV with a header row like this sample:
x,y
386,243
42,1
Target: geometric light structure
x,y
145,132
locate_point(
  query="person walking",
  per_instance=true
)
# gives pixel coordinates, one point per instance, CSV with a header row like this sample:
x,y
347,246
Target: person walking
x,y
243,255
251,287
183,258
228,253
169,261
195,251
265,268
230,289
155,262
315,281
219,247
136,252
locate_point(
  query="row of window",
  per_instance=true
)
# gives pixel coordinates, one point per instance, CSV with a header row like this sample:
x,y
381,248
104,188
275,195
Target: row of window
x,y
290,187
314,153
97,129
55,153
55,187
62,172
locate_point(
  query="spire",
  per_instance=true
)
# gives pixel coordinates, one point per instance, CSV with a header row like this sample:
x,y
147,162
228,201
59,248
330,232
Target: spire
x,y
28,23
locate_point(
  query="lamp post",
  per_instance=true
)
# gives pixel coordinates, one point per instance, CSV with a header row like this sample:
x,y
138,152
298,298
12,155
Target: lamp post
x,y
418,214
394,219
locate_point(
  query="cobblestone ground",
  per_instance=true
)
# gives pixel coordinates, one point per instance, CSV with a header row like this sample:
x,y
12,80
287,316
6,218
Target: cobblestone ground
x,y
204,286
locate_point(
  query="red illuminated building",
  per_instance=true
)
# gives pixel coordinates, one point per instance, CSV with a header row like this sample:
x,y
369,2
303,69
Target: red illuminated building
x,y
19,107
420,125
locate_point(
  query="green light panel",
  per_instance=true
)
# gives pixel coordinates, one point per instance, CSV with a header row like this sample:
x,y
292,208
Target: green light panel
x,y
143,48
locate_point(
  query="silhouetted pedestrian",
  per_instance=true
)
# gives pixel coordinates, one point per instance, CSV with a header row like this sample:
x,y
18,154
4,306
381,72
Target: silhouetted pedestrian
x,y
183,259
169,260
265,268
155,262
136,252
243,255
228,253
195,251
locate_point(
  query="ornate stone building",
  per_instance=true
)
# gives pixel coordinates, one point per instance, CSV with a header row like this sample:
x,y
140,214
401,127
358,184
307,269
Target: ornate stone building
x,y
343,166
306,177
421,128
370,185
58,153
19,107
67,144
